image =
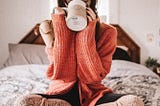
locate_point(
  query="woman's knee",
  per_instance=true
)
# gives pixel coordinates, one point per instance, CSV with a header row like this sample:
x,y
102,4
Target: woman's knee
x,y
127,100
130,100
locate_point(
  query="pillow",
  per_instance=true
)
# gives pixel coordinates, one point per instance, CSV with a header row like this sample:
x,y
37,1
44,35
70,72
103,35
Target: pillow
x,y
20,54
121,54
123,47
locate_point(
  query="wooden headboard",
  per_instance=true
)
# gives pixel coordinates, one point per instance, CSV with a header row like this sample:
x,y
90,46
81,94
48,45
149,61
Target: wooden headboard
x,y
123,39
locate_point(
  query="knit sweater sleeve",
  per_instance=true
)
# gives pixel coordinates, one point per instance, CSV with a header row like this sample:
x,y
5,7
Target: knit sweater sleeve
x,y
61,55
93,63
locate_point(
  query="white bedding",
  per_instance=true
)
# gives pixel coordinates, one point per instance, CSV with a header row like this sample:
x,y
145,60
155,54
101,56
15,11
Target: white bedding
x,y
20,80
131,78
124,77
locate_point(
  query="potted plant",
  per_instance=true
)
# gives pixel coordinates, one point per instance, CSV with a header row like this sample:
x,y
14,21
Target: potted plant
x,y
152,64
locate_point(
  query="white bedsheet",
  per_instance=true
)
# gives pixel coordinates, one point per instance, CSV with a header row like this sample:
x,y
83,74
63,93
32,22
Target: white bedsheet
x,y
124,77
131,78
20,80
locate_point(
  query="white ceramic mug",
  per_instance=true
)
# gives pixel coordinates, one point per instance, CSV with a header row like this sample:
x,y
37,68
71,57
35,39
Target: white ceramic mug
x,y
76,19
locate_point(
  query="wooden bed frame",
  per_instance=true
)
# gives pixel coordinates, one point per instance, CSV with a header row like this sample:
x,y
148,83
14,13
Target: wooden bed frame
x,y
123,39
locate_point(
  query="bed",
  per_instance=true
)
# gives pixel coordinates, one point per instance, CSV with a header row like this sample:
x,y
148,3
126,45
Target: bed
x,y
24,71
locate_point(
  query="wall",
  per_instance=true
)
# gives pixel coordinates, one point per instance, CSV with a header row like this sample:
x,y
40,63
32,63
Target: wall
x,y
140,18
159,26
17,18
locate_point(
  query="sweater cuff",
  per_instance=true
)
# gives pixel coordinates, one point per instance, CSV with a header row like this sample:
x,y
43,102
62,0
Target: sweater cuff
x,y
60,18
88,34
92,23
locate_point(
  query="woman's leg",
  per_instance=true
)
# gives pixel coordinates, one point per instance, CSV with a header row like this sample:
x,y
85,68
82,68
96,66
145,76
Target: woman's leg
x,y
72,96
109,97
37,100
68,99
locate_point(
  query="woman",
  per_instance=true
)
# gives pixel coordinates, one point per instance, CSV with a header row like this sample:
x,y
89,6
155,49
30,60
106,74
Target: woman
x,y
79,61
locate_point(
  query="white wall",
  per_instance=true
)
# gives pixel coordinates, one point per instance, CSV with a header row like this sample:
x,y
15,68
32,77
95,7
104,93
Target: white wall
x,y
140,18
17,17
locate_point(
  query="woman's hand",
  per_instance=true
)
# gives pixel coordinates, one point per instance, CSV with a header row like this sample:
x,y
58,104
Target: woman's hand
x,y
46,32
90,14
59,10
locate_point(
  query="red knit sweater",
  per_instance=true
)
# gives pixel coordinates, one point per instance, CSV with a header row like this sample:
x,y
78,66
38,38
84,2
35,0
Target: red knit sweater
x,y
76,57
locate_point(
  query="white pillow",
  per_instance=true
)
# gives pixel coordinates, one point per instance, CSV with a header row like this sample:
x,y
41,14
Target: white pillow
x,y
20,54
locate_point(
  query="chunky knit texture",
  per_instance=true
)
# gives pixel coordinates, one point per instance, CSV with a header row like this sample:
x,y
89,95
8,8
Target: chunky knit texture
x,y
77,57
128,100
37,100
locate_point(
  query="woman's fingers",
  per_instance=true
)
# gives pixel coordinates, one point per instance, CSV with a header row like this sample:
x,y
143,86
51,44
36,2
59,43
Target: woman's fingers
x,y
89,18
91,14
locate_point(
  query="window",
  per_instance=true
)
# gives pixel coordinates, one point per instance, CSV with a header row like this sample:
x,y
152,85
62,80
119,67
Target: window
x,y
53,3
103,10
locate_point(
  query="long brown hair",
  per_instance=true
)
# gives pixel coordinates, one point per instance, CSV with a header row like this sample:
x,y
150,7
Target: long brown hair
x,y
62,3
